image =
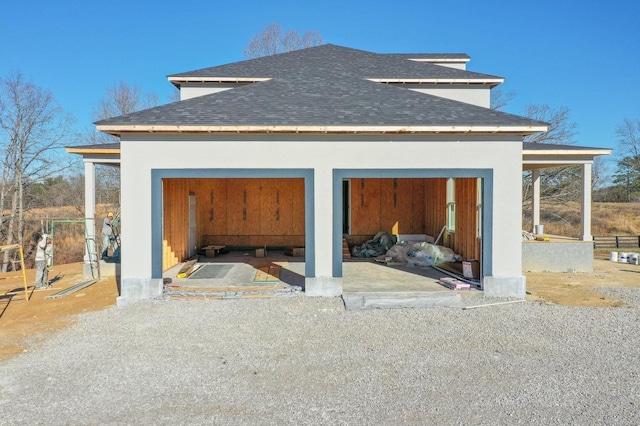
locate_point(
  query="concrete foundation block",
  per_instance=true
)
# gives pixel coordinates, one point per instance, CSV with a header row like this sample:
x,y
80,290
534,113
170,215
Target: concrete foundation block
x,y
500,286
557,257
357,301
323,286
135,289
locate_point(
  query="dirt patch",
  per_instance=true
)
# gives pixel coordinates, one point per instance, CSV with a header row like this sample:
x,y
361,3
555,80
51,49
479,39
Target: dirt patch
x,y
24,323
580,288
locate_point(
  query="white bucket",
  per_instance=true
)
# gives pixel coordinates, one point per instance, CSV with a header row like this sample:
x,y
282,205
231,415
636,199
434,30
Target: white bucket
x,y
538,229
633,258
624,257
614,256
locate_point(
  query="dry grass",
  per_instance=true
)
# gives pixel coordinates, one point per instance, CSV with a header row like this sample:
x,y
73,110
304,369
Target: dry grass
x,y
606,219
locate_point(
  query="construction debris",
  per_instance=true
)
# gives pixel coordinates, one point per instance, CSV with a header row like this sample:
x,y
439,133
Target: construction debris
x,y
187,269
454,284
72,289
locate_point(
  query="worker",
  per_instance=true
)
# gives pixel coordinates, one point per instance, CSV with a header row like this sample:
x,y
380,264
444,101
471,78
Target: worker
x,y
44,257
107,233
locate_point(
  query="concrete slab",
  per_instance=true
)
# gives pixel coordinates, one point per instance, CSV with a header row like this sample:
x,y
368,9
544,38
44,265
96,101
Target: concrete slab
x,y
366,284
354,301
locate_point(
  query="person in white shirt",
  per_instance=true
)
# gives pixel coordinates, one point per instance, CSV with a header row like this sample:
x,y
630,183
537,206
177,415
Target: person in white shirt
x,y
44,253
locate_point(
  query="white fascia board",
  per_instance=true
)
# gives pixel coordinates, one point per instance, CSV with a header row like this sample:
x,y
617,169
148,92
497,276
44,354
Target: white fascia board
x,y
492,81
134,128
431,60
567,152
178,79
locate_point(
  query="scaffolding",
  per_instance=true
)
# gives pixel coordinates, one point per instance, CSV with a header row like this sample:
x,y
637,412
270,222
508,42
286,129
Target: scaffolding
x,y
91,247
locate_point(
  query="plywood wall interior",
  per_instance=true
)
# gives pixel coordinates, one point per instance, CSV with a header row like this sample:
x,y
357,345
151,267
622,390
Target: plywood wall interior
x,y
465,239
258,212
414,206
233,212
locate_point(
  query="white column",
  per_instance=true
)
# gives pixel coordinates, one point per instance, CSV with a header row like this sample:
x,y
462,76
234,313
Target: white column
x,y
90,259
535,200
586,202
324,283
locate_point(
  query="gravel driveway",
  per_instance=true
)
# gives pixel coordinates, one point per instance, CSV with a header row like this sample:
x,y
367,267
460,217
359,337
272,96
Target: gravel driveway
x,y
304,361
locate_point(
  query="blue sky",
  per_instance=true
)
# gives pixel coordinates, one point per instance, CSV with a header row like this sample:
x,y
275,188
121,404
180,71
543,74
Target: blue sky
x,y
583,55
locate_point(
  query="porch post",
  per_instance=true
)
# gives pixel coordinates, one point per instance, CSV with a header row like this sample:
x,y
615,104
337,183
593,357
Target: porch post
x,y
535,199
586,202
90,266
325,282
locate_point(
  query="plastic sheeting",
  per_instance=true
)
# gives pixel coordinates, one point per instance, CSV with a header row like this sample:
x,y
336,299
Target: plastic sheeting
x,y
375,247
420,254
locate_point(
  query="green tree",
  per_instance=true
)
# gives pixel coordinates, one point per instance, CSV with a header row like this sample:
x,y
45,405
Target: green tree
x,y
627,177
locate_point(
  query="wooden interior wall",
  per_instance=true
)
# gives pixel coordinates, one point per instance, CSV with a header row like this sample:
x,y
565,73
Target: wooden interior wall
x,y
175,214
465,240
392,205
233,212
435,200
414,206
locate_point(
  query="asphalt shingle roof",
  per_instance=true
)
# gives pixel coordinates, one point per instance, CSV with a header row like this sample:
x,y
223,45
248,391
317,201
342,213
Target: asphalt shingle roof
x,y
324,86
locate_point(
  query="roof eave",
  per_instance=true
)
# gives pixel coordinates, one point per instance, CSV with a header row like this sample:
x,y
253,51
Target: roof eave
x,y
118,129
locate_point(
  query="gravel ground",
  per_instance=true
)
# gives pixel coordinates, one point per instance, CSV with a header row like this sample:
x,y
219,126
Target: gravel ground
x,y
303,361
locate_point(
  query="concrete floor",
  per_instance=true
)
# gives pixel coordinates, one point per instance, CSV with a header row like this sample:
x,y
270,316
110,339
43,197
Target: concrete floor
x,y
366,284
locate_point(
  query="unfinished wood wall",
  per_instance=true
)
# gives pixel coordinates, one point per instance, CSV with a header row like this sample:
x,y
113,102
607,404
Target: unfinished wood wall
x,y
233,212
395,206
258,212
414,206
465,240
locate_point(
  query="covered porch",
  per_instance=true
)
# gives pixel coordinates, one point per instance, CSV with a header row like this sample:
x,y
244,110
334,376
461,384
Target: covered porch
x,y
559,253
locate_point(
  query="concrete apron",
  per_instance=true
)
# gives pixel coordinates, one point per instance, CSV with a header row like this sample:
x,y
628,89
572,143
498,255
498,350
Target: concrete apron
x,y
366,283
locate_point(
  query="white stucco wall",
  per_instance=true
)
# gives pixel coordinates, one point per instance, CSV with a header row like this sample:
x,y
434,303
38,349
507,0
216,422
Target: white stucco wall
x,y
192,90
475,94
139,157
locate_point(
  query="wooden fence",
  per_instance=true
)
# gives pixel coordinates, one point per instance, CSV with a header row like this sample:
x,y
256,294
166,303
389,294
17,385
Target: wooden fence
x,y
616,242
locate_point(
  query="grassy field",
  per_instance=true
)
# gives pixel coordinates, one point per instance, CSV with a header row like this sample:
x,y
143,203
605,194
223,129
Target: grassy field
x,y
606,219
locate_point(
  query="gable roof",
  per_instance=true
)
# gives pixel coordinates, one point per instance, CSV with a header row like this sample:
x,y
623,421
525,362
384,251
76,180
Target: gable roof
x,y
324,89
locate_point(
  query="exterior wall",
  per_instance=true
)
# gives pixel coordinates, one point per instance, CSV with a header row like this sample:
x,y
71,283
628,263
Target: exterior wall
x,y
497,159
192,90
474,94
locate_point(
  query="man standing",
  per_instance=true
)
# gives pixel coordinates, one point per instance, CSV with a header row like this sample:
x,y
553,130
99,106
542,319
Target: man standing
x,y
107,232
44,251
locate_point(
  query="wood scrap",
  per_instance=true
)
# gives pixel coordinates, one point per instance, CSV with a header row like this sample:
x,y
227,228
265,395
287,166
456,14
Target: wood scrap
x,y
187,269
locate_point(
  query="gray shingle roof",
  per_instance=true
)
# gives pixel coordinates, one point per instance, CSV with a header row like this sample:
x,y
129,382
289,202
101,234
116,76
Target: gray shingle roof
x,y
330,59
323,86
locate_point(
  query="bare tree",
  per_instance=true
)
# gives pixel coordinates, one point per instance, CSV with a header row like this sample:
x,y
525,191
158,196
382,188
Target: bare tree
x,y
561,129
627,173
628,138
33,128
119,99
559,184
272,40
500,98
